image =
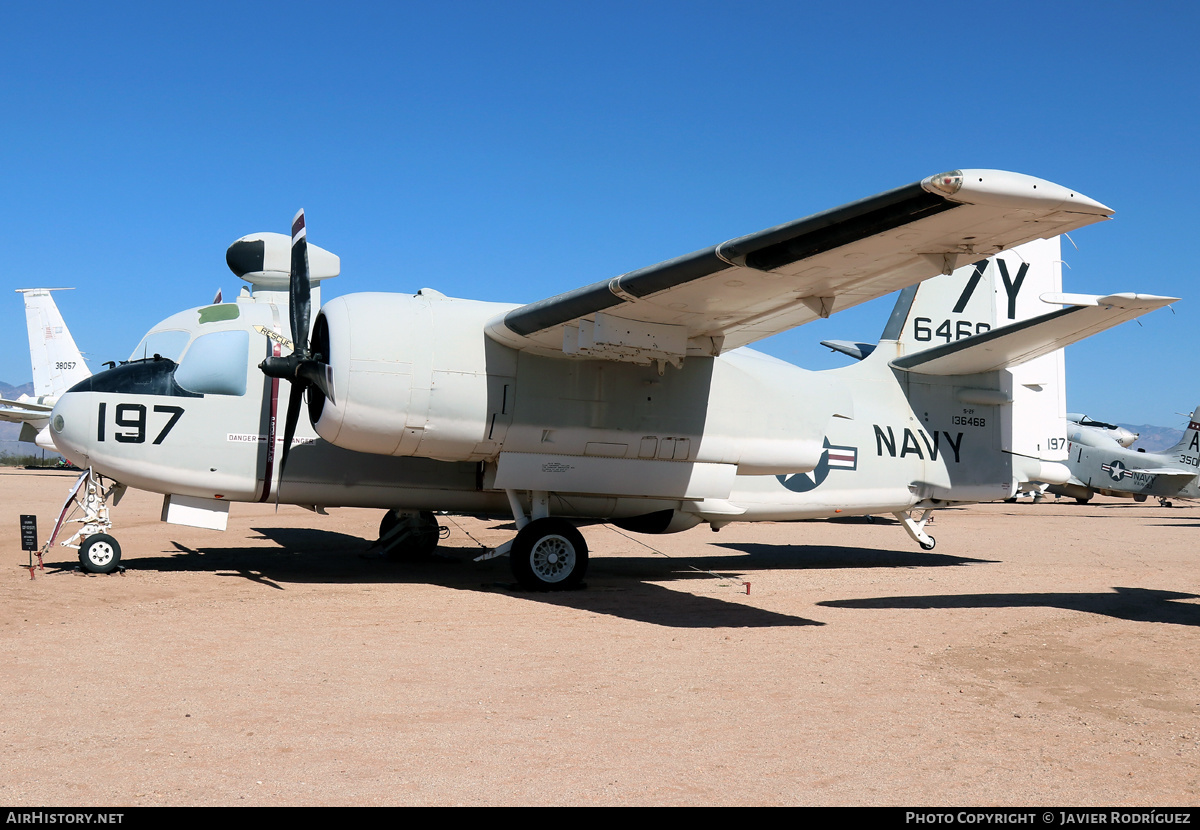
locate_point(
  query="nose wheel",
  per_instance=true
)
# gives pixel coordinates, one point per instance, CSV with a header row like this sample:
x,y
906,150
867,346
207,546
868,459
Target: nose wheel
x,y
100,554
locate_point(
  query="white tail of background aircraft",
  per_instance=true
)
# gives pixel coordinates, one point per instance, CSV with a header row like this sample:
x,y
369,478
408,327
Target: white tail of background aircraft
x,y
57,364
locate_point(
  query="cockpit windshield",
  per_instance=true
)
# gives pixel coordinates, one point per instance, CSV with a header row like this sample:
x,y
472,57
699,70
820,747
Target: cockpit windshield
x,y
168,343
215,363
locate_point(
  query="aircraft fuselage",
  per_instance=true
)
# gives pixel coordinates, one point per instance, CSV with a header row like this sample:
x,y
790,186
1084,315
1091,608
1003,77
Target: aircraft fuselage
x,y
732,438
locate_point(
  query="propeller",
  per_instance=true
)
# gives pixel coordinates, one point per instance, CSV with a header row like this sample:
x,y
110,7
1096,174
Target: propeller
x,y
302,368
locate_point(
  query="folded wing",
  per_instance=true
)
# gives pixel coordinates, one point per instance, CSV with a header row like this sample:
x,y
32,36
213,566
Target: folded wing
x,y
749,288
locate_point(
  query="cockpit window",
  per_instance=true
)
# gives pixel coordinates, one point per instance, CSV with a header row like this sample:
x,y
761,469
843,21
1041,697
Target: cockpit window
x,y
215,364
169,343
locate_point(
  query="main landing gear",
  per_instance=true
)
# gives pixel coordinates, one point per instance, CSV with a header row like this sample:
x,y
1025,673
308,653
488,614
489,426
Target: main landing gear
x,y
548,554
99,552
408,535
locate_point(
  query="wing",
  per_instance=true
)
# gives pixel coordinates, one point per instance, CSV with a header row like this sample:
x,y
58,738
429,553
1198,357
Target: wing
x,y
754,286
21,411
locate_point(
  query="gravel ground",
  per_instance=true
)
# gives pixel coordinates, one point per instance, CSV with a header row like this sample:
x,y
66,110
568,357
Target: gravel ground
x,y
1041,655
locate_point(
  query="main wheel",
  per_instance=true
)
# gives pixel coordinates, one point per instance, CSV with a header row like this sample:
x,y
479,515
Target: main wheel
x,y
408,535
549,555
931,544
100,554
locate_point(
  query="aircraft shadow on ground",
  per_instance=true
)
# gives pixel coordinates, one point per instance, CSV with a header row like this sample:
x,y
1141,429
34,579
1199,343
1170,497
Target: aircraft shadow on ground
x,y
805,557
629,587
1133,604
625,586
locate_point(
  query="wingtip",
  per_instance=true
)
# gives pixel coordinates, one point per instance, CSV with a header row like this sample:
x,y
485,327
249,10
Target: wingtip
x,y
1002,187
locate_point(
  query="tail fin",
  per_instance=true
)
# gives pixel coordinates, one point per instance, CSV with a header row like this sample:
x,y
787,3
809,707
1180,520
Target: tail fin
x,y
57,363
1013,417
1190,443
1001,290
993,292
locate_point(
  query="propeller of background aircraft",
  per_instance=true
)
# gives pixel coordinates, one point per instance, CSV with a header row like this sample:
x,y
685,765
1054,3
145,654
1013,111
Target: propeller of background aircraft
x,y
303,369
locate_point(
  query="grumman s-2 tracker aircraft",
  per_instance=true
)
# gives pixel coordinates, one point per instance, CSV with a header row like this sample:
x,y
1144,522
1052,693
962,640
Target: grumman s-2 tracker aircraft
x,y
630,400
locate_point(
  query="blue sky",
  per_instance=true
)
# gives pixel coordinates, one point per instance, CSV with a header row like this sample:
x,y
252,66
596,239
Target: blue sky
x,y
510,151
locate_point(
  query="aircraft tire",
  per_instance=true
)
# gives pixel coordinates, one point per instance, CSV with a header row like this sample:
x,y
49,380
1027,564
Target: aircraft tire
x,y
1083,501
549,555
100,554
932,544
419,543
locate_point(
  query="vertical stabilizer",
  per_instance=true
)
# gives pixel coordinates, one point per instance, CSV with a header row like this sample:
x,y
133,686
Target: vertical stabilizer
x,y
1020,410
986,294
1190,443
57,363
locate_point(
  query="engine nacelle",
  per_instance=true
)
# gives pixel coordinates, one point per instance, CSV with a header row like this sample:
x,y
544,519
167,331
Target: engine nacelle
x,y
413,375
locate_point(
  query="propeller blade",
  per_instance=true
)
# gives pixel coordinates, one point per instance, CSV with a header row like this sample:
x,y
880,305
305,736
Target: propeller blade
x,y
319,375
289,432
302,369
299,289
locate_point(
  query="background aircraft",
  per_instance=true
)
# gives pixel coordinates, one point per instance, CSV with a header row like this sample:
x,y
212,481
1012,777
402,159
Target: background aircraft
x,y
57,366
1080,425
1100,462
628,400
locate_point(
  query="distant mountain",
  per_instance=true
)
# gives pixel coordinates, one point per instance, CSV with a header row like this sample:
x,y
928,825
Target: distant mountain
x,y
14,392
1152,438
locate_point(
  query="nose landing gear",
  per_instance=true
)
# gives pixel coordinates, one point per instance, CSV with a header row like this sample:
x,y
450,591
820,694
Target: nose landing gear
x,y
99,552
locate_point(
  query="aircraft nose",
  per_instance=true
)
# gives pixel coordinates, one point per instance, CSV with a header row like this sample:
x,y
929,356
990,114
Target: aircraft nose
x,y
72,427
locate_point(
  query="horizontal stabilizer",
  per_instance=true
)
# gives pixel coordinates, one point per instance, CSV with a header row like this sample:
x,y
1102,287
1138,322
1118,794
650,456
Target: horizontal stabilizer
x,y
848,347
1023,341
1166,471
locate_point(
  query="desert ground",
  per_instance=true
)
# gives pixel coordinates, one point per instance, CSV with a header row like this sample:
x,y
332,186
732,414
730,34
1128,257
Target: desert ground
x,y
1042,654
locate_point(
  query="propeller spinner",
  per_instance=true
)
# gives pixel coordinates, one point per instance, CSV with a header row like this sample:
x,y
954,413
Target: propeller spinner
x,y
302,368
